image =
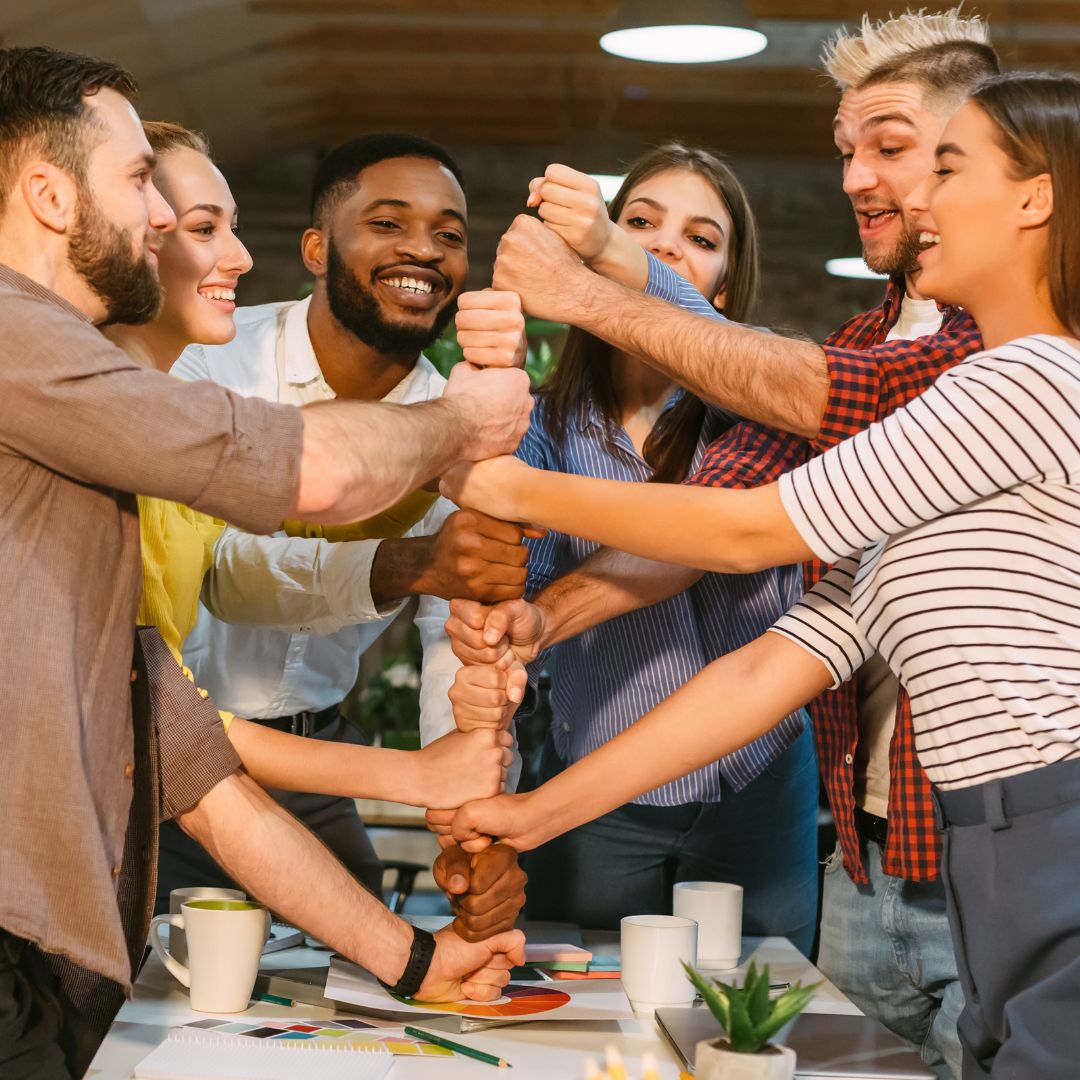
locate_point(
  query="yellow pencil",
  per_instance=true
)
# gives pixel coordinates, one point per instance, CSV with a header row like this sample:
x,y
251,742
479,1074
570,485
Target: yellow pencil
x,y
649,1071
615,1067
592,1070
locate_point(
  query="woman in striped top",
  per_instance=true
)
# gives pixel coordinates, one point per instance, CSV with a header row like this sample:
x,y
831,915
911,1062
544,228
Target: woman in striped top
x,y
956,523
749,817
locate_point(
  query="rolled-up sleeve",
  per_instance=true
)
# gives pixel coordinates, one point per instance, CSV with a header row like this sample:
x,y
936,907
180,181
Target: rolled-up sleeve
x,y
137,430
296,584
194,753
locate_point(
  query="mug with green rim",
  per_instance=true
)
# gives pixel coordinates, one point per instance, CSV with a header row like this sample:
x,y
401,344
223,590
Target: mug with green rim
x,y
225,937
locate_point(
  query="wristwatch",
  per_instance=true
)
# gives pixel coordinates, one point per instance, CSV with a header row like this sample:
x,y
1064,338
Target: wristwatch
x,y
420,956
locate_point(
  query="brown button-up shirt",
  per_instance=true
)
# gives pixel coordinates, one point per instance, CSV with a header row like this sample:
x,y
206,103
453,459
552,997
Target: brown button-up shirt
x,y
81,428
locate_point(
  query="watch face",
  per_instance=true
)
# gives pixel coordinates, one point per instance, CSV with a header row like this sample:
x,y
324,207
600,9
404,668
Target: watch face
x,y
516,1001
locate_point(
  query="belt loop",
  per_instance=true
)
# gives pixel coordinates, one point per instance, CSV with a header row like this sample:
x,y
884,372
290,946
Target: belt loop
x,y
997,816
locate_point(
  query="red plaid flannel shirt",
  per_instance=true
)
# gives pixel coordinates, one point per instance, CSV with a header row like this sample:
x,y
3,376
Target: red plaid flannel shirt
x,y
868,379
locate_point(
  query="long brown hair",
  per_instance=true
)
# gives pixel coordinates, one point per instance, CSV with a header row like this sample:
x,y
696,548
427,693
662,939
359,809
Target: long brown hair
x,y
585,367
1037,117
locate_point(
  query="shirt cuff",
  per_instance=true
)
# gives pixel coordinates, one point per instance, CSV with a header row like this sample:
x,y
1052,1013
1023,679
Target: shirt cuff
x,y
821,623
347,580
194,753
663,281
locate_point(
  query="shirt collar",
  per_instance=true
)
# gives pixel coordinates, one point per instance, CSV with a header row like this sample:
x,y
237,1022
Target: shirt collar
x,y
894,298
15,280
302,366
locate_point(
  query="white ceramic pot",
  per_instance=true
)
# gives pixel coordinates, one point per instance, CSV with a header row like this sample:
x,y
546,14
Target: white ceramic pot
x,y
715,1061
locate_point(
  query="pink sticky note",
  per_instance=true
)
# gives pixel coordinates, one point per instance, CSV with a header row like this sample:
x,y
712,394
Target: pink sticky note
x,y
539,954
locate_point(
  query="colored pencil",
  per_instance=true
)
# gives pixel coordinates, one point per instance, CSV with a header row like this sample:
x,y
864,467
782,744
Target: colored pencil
x,y
458,1048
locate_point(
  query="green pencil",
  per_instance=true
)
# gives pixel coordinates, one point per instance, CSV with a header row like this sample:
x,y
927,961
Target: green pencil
x,y
458,1048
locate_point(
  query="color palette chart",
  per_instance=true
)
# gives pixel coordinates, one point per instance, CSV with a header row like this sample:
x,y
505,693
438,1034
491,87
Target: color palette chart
x,y
337,1034
516,1002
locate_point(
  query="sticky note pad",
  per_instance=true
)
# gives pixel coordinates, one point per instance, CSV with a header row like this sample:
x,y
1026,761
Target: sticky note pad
x,y
539,954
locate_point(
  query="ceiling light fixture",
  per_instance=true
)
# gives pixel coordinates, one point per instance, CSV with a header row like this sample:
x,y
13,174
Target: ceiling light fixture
x,y
691,32
853,267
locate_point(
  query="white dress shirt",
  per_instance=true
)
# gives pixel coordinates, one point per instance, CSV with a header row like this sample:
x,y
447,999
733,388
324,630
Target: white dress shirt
x,y
320,618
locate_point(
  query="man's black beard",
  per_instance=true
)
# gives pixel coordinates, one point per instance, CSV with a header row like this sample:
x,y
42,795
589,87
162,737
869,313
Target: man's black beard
x,y
353,305
100,253
902,259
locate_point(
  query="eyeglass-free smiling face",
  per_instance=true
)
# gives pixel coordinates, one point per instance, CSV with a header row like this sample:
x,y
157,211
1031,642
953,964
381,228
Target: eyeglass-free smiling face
x,y
678,216
201,258
981,229
396,254
886,136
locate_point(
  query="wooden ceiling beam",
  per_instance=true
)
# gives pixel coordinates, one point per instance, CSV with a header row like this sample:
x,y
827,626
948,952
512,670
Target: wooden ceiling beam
x,y
1002,12
496,9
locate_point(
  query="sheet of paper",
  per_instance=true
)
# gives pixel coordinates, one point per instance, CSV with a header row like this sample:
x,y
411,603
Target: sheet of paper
x,y
520,1001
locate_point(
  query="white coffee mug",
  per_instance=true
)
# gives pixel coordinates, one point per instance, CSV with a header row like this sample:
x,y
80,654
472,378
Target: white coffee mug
x,y
224,941
177,938
716,907
653,949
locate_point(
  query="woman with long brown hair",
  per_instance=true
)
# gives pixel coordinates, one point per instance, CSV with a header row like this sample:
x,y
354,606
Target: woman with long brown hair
x,y
750,817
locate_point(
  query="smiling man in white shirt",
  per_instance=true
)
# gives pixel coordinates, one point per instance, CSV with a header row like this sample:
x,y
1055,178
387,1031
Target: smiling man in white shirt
x,y
388,251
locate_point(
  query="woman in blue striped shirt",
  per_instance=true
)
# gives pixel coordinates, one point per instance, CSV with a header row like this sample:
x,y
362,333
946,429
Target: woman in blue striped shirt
x,y
750,817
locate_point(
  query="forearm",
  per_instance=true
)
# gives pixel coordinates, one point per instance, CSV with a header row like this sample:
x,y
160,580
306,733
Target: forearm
x,y
361,457
279,760
774,380
623,260
281,863
728,704
400,568
725,530
607,584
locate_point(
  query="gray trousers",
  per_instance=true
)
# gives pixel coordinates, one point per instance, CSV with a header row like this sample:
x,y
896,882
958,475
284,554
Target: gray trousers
x,y
1012,876
183,862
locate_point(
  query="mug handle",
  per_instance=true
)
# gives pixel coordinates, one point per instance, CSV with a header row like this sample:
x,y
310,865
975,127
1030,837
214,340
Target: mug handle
x,y
174,967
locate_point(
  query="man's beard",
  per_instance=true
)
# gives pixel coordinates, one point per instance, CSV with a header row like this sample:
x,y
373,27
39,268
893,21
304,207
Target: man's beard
x,y
100,253
354,306
901,258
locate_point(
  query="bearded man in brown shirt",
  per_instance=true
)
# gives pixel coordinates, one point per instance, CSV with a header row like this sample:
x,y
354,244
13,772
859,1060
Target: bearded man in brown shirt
x,y
98,747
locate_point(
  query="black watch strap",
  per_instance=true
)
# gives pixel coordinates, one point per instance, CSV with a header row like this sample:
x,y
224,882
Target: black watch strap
x,y
420,956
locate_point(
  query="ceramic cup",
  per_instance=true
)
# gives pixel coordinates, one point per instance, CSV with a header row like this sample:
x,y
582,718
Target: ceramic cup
x,y
717,909
653,949
224,942
177,937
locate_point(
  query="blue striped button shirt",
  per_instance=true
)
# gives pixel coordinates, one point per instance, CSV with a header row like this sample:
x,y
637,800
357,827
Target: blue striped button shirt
x,y
609,676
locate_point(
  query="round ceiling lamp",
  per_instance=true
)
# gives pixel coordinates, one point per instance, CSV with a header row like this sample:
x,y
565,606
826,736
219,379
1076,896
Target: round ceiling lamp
x,y
853,267
683,32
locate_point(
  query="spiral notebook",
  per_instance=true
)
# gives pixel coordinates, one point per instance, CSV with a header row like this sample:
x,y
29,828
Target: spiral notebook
x,y
193,1054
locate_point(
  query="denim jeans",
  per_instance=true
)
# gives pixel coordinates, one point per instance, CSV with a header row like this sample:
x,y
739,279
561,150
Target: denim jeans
x,y
626,862
887,946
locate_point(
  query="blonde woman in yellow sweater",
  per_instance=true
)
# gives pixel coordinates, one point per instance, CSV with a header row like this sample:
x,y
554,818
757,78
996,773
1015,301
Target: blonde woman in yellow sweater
x,y
200,263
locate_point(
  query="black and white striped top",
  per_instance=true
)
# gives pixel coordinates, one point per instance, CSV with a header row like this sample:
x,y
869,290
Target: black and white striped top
x,y
962,512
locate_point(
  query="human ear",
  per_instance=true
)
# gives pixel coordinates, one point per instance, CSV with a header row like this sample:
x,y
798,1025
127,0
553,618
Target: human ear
x,y
50,194
313,251
1038,204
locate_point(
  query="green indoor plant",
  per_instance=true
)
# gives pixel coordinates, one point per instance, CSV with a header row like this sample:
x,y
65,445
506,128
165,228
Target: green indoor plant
x,y
750,1018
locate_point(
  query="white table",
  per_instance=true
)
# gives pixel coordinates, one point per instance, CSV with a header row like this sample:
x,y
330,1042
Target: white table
x,y
537,1051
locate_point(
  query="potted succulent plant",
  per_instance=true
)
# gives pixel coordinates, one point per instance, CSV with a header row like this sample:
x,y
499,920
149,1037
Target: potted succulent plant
x,y
750,1018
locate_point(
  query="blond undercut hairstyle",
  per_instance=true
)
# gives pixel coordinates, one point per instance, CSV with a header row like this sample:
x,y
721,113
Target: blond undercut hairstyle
x,y
948,54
